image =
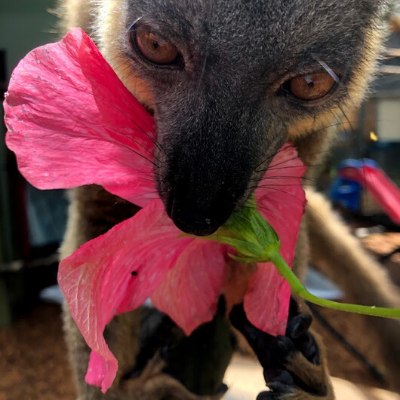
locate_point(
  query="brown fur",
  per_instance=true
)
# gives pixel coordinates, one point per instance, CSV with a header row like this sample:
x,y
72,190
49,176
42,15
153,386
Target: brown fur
x,y
332,249
339,255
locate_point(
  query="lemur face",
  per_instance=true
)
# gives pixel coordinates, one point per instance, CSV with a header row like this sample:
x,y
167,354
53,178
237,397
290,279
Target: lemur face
x,y
228,80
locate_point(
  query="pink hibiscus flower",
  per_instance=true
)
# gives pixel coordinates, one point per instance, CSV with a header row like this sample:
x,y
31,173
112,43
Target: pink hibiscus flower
x,y
71,122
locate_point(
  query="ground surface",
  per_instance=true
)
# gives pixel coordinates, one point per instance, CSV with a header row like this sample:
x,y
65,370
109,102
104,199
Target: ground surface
x,y
33,363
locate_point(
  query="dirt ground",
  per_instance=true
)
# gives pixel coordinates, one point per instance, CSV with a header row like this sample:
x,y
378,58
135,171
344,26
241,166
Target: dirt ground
x,y
33,359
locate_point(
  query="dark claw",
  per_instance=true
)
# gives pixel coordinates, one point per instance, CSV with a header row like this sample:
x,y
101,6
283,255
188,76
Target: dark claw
x,y
276,391
268,396
279,388
282,349
298,326
280,377
297,330
309,348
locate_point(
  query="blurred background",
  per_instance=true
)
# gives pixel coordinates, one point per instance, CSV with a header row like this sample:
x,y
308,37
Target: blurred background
x,y
32,223
33,362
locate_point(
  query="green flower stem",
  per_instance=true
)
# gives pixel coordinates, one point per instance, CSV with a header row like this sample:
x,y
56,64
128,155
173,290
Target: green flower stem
x,y
300,290
255,241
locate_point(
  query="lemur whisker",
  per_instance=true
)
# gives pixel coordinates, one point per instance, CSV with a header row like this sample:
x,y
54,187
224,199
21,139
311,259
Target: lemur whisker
x,y
129,138
266,210
154,141
280,178
278,164
306,165
139,127
283,177
293,167
265,160
113,142
256,170
140,145
282,191
266,185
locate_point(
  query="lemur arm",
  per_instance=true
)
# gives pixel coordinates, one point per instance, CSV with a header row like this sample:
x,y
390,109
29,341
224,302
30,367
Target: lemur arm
x,y
340,256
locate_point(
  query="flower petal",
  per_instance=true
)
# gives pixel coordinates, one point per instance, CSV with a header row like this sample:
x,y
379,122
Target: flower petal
x,y
72,122
267,300
281,200
189,292
98,282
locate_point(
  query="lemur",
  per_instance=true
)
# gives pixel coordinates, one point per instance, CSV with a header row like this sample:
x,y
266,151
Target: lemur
x,y
228,83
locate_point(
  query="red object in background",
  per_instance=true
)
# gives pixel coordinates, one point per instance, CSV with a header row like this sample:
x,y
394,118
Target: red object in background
x,y
375,181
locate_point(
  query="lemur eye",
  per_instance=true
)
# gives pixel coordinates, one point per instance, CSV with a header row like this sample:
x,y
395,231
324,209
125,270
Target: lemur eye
x,y
153,46
310,87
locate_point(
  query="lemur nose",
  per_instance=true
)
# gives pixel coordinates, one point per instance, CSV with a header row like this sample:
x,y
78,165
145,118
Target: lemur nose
x,y
191,218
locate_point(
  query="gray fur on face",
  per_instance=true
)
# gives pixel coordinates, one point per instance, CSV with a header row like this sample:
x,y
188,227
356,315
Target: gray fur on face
x,y
220,116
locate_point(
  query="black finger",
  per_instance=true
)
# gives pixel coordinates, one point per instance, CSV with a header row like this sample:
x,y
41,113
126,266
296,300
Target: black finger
x,y
307,345
298,325
282,377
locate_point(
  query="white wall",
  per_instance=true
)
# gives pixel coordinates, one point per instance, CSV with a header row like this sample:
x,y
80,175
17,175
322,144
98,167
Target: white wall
x,y
388,120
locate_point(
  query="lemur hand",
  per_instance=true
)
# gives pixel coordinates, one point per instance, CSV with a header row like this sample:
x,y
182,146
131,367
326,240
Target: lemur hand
x,y
294,364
